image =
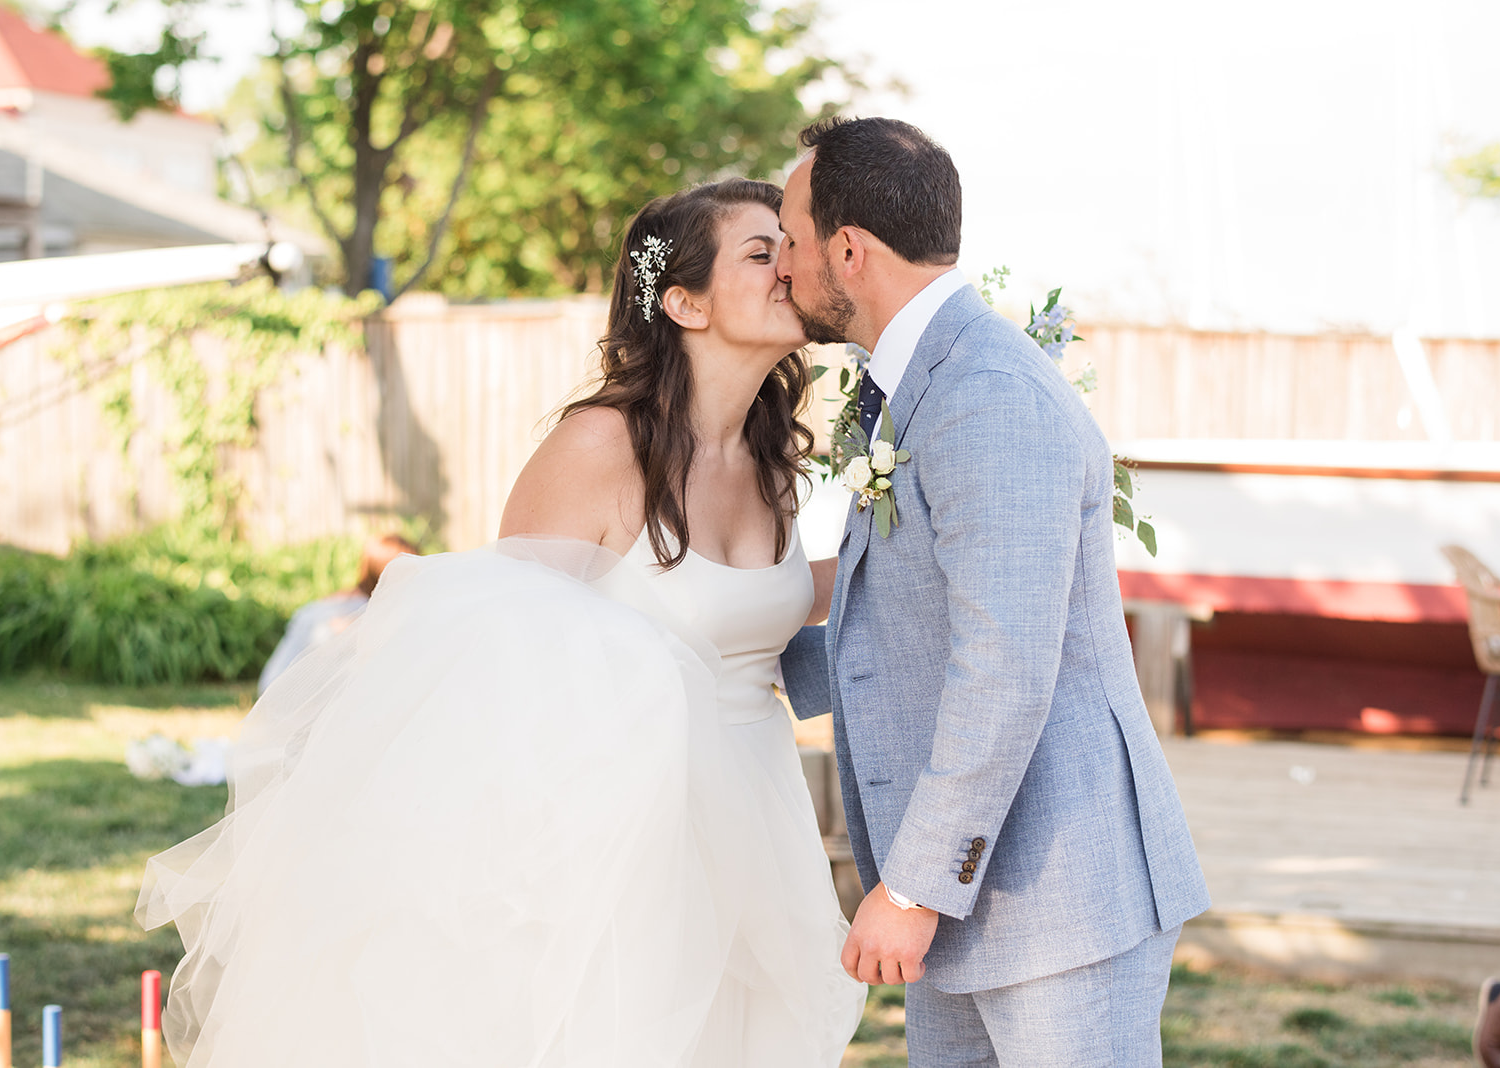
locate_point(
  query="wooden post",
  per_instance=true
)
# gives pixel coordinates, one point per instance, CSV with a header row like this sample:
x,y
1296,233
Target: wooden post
x,y
820,768
1151,641
1160,639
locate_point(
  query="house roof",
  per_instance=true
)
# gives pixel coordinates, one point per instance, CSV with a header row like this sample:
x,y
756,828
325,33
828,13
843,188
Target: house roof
x,y
83,190
42,59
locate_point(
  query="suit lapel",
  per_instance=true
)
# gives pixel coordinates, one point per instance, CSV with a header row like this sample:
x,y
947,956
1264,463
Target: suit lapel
x,y
857,527
936,341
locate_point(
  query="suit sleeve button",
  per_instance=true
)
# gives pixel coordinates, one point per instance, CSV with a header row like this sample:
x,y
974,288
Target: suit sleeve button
x,y
975,854
969,865
966,877
978,843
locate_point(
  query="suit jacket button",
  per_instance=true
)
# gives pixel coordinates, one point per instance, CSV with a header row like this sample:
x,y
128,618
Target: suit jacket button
x,y
969,865
977,843
966,877
975,854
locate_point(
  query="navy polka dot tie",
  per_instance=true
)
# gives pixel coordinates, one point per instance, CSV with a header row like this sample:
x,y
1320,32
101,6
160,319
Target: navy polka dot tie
x,y
870,396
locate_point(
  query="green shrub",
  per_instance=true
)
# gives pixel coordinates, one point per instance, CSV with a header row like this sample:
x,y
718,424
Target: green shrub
x,y
163,606
31,620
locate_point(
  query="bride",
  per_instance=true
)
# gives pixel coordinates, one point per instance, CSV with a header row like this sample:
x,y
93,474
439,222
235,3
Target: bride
x,y
539,806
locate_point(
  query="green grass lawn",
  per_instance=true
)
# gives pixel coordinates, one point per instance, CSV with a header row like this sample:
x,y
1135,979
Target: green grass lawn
x,y
76,829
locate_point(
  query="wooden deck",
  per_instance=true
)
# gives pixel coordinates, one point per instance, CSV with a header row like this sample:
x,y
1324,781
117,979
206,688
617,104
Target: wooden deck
x,y
1333,861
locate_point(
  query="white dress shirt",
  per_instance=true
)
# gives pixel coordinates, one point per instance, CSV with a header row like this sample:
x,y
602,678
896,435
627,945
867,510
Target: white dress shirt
x,y
899,339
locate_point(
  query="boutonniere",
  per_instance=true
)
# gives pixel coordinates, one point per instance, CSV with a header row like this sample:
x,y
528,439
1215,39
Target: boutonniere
x,y
865,467
862,465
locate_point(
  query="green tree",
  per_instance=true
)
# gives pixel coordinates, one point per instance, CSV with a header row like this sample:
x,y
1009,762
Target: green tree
x,y
504,141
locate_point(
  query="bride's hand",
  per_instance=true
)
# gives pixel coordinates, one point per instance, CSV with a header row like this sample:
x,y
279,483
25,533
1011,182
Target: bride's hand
x,y
823,572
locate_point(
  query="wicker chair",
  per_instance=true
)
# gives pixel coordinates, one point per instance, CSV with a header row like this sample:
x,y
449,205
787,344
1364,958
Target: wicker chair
x,y
1483,588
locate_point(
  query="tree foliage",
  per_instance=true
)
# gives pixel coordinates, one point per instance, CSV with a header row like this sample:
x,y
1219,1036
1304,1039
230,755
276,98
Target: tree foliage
x,y
504,141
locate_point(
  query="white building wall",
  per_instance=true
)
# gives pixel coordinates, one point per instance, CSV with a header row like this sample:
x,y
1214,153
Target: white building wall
x,y
179,150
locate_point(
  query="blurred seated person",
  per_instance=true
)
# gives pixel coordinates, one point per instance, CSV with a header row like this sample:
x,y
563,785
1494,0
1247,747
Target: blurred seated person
x,y
315,623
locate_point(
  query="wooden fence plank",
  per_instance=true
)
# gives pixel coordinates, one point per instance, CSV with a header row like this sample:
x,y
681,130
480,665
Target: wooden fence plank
x,y
441,411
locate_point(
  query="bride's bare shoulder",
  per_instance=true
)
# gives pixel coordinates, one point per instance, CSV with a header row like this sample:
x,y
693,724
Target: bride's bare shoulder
x,y
599,427
577,481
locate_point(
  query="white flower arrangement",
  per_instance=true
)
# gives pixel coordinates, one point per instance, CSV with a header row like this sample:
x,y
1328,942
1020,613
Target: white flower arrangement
x,y
156,757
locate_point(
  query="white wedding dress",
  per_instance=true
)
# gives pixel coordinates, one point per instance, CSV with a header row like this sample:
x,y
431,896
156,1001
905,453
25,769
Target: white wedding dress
x,y
538,807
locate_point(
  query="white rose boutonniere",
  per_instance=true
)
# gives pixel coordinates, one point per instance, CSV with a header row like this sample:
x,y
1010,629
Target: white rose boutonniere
x,y
857,474
866,466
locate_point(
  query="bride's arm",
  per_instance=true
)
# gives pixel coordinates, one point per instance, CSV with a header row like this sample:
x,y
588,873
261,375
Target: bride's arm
x,y
822,572
579,483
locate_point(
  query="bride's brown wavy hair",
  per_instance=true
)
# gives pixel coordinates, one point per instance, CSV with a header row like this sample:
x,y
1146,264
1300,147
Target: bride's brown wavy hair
x,y
648,378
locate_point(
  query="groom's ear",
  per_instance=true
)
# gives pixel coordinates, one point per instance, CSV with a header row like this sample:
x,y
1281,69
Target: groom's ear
x,y
684,309
848,248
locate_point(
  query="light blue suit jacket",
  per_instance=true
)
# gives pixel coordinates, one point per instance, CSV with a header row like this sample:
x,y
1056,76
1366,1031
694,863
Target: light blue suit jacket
x,y
979,674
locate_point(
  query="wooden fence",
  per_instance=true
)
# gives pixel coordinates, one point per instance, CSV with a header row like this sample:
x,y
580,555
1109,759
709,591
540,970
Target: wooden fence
x,y
1172,383
435,419
440,413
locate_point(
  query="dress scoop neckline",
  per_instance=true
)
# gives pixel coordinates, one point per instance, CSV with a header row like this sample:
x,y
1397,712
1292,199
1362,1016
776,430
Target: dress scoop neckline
x,y
791,549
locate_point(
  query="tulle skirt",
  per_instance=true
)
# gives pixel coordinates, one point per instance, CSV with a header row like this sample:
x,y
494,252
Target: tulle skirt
x,y
500,821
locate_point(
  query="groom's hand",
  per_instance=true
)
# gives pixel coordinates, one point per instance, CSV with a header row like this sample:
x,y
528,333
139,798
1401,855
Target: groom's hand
x,y
886,944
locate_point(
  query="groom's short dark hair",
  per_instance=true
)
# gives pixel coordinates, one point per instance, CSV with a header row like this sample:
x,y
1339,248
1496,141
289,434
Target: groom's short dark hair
x,y
889,178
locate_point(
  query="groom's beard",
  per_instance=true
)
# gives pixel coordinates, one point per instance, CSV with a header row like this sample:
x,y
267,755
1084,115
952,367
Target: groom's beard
x,y
828,325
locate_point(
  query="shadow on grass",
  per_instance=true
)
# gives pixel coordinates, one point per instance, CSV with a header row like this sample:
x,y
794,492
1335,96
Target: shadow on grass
x,y
53,697
95,979
78,814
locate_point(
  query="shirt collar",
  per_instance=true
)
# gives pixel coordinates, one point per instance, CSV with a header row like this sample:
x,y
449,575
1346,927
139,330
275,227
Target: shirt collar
x,y
898,342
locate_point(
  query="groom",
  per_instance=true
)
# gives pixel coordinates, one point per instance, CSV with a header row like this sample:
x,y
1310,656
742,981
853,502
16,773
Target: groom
x,y
1017,831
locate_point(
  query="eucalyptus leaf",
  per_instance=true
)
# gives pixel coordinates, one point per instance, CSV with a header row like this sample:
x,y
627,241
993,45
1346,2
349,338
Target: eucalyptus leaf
x,y
884,513
1123,482
1147,533
816,371
1124,514
887,424
902,455
844,380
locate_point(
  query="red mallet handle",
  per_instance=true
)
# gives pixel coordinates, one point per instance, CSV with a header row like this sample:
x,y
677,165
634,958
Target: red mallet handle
x,y
151,1019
